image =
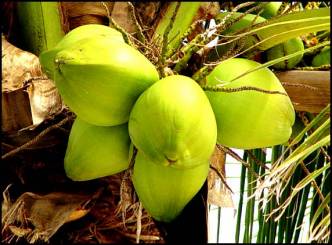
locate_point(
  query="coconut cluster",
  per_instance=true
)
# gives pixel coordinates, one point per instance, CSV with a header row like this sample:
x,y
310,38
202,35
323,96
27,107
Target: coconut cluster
x,y
120,100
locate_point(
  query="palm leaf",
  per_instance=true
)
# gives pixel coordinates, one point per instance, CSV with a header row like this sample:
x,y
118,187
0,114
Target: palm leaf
x,y
286,57
286,169
284,27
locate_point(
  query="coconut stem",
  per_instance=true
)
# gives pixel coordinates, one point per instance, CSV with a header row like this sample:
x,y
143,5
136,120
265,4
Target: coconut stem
x,y
311,68
202,39
205,70
239,89
188,51
222,178
36,139
117,27
165,40
299,85
201,74
191,28
140,35
233,154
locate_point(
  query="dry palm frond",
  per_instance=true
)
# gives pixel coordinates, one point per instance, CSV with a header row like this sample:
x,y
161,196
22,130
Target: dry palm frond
x,y
219,193
284,168
321,232
38,217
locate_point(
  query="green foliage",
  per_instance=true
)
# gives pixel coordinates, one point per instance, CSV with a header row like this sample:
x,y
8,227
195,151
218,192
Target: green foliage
x,y
298,171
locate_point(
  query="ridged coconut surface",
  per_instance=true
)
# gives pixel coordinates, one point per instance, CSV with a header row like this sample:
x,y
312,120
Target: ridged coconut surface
x,y
250,119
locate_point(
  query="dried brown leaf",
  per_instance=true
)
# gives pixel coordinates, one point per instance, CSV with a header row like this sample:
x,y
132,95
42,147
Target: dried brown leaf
x,y
38,217
218,191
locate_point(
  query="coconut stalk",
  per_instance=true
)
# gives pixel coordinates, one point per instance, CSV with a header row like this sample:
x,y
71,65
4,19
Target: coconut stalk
x,y
40,25
202,39
40,29
181,22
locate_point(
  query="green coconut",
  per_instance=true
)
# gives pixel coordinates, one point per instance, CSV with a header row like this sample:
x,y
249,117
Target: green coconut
x,y
85,31
249,119
289,47
173,123
322,58
95,151
271,9
165,191
100,79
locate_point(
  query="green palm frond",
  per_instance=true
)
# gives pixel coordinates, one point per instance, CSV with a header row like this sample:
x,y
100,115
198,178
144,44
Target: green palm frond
x,y
282,175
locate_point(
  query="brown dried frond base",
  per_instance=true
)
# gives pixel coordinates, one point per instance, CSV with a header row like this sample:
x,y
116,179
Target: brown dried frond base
x,y
114,215
118,216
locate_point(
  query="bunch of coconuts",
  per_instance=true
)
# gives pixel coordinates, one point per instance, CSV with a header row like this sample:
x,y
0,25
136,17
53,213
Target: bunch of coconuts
x,y
120,102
